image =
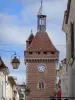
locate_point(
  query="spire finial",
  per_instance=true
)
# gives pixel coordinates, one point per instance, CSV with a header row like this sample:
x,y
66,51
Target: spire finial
x,y
31,32
41,8
41,2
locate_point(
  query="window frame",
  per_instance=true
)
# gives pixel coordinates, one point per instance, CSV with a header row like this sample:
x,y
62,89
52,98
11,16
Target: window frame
x,y
41,85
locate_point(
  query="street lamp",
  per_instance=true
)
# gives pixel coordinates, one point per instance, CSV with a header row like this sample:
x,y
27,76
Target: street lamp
x,y
15,61
27,92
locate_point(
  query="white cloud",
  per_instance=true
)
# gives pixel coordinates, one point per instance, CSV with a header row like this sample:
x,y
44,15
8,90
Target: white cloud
x,y
53,9
11,33
15,31
6,19
14,34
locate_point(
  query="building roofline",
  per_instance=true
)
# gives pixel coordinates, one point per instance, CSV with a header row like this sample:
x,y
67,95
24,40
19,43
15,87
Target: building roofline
x,y
11,80
3,66
68,10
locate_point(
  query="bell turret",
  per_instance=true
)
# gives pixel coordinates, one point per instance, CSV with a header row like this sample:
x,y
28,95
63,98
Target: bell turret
x,y
29,40
41,19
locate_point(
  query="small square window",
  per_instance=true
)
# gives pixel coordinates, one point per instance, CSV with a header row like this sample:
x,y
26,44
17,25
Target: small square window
x,y
52,52
30,52
29,42
37,52
45,52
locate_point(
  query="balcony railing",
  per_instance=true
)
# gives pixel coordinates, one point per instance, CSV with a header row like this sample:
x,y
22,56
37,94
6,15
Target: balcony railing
x,y
61,98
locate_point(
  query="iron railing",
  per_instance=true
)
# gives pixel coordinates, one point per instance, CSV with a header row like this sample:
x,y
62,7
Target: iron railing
x,y
61,98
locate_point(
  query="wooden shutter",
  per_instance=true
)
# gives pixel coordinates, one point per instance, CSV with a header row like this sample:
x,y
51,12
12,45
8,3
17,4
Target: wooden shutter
x,y
0,91
72,40
3,84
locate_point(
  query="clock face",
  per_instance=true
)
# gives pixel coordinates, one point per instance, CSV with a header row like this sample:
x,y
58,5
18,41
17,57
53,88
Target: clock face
x,y
41,68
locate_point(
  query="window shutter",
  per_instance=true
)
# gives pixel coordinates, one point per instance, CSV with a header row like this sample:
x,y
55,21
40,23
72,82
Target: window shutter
x,y
72,40
0,91
41,85
3,89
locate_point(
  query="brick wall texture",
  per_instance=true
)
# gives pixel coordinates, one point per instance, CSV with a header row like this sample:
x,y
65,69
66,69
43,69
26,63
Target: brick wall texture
x,y
33,76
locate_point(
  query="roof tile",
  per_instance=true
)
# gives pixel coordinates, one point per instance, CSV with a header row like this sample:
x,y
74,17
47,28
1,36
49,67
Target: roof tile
x,y
42,42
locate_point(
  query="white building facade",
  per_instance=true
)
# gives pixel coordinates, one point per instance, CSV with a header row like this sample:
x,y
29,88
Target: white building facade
x,y
3,80
69,29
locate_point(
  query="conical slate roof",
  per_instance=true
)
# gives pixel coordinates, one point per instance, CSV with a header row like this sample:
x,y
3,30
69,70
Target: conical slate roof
x,y
30,38
41,42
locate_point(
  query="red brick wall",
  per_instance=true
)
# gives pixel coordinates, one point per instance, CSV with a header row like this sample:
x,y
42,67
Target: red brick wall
x,y
48,77
41,43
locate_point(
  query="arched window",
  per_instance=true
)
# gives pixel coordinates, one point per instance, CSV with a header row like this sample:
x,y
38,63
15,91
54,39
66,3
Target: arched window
x,y
40,21
41,85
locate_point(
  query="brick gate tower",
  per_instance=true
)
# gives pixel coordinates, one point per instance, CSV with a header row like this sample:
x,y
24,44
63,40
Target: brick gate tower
x,y
40,59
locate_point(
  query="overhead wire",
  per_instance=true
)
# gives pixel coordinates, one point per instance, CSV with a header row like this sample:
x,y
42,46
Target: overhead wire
x,y
24,44
8,51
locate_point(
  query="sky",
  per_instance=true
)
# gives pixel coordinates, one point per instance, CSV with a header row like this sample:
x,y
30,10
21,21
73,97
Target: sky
x,y
18,18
